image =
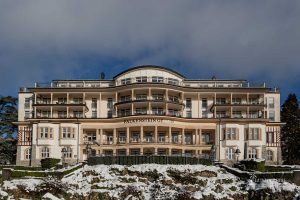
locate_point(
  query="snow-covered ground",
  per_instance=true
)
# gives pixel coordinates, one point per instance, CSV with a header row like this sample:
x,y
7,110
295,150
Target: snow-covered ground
x,y
147,181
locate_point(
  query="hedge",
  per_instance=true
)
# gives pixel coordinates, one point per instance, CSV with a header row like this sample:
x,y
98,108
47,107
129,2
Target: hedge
x,y
272,168
48,163
58,174
15,167
135,160
254,165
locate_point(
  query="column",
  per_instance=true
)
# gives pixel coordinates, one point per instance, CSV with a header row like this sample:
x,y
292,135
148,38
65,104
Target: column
x,y
127,152
230,106
127,135
68,105
101,137
115,136
99,105
132,99
183,136
198,105
97,135
200,137
194,136
142,133
155,134
215,110
170,134
149,103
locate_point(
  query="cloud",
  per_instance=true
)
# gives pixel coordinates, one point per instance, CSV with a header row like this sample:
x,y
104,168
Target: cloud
x,y
44,40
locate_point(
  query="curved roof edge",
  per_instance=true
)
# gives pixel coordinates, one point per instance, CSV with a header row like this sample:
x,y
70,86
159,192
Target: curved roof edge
x,y
149,66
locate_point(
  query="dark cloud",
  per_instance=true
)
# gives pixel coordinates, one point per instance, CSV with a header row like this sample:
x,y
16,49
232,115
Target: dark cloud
x,y
43,40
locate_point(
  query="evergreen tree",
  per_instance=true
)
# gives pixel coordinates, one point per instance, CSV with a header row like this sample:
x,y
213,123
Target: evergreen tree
x,y
8,114
290,134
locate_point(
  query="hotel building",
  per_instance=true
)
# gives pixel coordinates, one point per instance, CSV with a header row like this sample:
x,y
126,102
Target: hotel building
x,y
148,110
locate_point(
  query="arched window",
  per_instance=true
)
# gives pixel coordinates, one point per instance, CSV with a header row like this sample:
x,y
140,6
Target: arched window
x,y
45,152
252,153
27,154
67,152
269,155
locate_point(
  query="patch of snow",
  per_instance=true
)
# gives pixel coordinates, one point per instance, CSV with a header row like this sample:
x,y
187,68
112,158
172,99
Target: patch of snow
x,y
50,196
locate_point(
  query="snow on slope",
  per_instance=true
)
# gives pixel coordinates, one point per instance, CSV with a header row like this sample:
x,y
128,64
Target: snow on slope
x,y
150,180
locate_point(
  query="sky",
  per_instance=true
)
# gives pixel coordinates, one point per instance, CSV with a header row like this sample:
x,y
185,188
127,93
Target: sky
x,y
254,40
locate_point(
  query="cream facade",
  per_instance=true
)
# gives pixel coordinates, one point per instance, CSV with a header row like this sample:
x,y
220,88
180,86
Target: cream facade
x,y
148,110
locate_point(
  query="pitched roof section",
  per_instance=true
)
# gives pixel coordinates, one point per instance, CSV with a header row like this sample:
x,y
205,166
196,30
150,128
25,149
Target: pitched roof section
x,y
149,66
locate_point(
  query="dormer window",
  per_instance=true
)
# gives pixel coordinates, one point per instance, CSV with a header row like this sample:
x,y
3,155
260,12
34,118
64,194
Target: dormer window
x,y
141,79
126,81
173,81
157,79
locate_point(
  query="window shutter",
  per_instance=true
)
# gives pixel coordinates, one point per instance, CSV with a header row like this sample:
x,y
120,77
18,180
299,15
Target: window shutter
x,y
226,132
226,154
259,133
73,132
245,134
60,133
237,134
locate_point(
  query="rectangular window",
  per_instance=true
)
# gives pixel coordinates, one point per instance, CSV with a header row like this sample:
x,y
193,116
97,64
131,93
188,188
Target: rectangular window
x,y
94,114
27,114
221,114
91,137
122,137
230,153
237,114
253,134
221,101
141,97
141,79
125,98
205,138
141,111
27,103
188,103
157,79
157,111
124,112
174,99
236,100
62,100
271,102
46,132
272,115
270,137
173,81
252,153
62,114
46,113
161,138
188,114
109,114
204,103
158,97
230,133
204,114
77,100
67,132
94,103
109,103
78,114
253,114
126,81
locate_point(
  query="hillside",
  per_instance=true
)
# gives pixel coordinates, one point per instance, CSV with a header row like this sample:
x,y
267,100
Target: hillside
x,y
148,181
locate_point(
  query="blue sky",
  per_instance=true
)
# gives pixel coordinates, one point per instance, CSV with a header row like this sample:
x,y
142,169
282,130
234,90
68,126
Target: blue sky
x,y
254,40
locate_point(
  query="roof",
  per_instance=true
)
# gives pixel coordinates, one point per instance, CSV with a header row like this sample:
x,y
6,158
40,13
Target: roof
x,y
149,66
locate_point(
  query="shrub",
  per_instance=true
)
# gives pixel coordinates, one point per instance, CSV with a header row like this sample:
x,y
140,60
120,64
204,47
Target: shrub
x,y
48,163
254,165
